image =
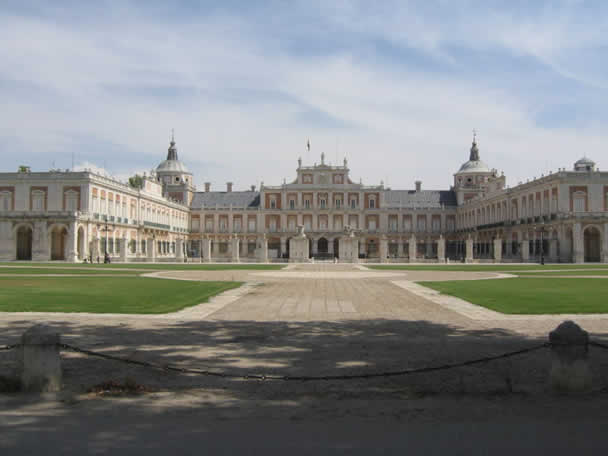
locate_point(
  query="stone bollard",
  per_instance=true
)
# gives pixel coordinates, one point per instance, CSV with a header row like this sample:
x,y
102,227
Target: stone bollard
x,y
570,371
40,360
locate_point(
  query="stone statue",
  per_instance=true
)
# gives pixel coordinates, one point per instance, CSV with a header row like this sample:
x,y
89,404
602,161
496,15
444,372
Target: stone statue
x,y
301,233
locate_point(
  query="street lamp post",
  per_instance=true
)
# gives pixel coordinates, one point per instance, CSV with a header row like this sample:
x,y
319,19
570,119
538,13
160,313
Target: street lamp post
x,y
106,230
542,241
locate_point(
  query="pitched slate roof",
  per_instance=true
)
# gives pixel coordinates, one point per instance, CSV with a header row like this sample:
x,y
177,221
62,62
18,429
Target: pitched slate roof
x,y
419,200
225,199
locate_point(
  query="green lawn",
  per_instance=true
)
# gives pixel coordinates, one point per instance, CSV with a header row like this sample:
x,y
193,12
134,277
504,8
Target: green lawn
x,y
595,272
484,267
530,295
87,271
154,266
132,295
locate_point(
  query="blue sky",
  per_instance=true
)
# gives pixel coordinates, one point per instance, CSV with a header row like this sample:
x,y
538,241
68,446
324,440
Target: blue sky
x,y
395,86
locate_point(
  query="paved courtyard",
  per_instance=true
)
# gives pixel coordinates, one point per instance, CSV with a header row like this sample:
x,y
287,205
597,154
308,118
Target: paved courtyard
x,y
317,319
308,319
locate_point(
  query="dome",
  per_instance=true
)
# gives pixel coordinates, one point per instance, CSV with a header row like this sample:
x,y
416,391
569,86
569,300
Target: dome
x,y
172,163
172,166
584,164
474,166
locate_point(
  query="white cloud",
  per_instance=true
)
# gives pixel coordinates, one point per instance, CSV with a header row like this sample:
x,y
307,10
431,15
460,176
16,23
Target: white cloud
x,y
399,124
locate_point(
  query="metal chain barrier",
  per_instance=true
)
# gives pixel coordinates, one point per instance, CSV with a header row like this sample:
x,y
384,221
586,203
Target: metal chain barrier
x,y
599,345
403,372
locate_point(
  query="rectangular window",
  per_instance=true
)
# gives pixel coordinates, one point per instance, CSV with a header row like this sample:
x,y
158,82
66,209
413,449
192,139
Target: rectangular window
x,y
422,224
5,201
407,224
322,204
372,204
307,223
353,204
338,203
292,204
436,224
307,204
195,224
371,225
237,225
38,201
251,225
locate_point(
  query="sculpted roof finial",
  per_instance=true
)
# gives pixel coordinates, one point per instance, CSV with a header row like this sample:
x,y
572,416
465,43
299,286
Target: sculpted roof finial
x,y
474,156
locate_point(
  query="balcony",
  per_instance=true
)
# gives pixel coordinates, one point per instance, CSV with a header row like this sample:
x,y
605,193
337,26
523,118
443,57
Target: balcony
x,y
156,225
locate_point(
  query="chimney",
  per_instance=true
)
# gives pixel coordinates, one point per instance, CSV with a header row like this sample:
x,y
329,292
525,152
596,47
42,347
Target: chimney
x,y
418,186
207,187
228,187
253,188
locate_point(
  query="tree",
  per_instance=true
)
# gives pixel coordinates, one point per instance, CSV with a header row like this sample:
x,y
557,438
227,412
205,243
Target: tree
x,y
136,181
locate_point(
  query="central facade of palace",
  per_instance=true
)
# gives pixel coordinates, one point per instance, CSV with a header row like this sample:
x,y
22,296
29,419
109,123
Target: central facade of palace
x,y
322,214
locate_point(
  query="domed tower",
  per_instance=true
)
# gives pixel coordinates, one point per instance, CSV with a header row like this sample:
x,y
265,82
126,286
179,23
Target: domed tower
x,y
584,165
473,177
174,176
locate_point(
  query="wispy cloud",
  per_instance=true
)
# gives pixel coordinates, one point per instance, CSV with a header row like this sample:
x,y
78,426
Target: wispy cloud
x,y
396,86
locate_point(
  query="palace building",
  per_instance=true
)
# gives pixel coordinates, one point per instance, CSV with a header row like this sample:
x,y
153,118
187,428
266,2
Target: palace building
x,y
321,214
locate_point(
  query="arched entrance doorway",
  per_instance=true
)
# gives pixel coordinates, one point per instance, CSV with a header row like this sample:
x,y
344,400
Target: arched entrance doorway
x,y
322,246
80,247
592,245
58,243
24,243
337,248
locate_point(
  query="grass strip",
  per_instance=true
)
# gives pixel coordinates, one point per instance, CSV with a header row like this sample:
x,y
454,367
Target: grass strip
x,y
534,296
128,295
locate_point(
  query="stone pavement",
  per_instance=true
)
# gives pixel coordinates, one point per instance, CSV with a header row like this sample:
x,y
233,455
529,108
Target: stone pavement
x,y
307,320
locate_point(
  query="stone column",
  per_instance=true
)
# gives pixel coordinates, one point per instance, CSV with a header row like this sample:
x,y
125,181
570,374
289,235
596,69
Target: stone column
x,y
151,249
497,250
40,360
8,242
569,368
412,248
400,248
235,249
441,249
605,244
179,249
283,247
383,251
262,249
206,248
579,244
468,250
123,249
71,248
314,247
